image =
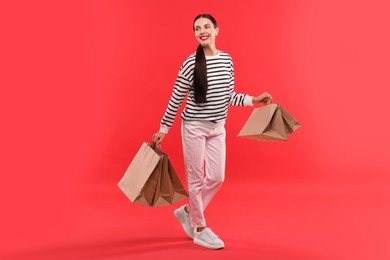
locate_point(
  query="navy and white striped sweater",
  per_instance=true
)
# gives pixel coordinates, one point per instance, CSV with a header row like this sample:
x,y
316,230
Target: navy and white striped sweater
x,y
220,93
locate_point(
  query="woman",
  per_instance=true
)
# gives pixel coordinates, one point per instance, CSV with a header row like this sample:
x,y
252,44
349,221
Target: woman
x,y
207,79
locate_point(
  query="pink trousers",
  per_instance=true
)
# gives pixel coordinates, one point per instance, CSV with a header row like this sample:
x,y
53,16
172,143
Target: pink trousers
x,y
204,158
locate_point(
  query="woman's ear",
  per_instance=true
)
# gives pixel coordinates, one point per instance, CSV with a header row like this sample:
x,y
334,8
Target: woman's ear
x,y
216,31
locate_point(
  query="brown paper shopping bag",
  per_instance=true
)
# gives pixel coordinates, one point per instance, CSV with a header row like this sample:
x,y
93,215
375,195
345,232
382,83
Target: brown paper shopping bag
x,y
150,179
169,189
269,123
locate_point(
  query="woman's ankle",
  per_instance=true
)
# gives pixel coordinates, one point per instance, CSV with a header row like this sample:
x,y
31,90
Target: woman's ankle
x,y
200,229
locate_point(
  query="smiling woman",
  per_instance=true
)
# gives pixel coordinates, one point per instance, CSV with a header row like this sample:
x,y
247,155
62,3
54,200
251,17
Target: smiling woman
x,y
206,78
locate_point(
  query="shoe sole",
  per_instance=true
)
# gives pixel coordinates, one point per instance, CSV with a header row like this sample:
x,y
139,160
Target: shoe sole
x,y
201,243
179,217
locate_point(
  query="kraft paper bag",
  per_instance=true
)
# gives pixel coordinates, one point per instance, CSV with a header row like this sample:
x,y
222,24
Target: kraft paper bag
x,y
269,123
169,189
150,179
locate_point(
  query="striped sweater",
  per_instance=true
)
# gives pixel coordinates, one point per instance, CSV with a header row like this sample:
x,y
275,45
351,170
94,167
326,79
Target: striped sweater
x,y
220,93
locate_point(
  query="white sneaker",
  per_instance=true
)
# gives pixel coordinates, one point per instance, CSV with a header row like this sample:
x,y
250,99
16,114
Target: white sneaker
x,y
184,218
209,239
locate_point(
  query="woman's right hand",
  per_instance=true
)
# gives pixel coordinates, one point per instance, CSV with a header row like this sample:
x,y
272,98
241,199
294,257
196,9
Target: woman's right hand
x,y
157,138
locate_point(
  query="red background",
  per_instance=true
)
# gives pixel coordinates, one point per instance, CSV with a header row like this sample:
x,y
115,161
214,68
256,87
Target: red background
x,y
84,83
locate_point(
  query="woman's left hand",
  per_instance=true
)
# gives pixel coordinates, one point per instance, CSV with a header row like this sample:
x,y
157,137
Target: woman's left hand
x,y
265,98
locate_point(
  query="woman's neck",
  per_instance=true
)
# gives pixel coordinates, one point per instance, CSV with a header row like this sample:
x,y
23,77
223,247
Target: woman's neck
x,y
210,50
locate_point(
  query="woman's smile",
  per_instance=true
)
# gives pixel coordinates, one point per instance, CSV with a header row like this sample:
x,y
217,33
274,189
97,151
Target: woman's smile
x,y
204,37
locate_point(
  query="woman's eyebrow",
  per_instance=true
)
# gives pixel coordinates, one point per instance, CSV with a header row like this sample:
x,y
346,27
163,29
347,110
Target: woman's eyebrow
x,y
207,24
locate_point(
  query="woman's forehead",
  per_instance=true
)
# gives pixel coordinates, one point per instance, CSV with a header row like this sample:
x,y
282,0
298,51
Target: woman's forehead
x,y
202,21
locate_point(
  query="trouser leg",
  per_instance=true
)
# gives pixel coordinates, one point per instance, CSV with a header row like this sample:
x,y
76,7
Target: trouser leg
x,y
202,144
215,158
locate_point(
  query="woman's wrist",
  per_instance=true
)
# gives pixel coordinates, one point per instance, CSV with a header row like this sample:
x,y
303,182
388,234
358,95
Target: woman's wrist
x,y
255,100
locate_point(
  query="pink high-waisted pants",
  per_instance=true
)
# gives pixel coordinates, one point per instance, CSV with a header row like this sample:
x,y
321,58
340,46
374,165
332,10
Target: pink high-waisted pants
x,y
204,151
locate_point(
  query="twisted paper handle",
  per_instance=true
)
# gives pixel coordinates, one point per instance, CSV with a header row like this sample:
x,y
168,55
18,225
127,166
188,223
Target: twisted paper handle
x,y
156,148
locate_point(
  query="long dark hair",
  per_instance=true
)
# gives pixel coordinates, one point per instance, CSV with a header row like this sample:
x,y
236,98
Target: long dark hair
x,y
200,69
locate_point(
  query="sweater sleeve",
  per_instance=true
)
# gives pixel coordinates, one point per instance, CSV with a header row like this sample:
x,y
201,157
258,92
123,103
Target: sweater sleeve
x,y
180,90
237,99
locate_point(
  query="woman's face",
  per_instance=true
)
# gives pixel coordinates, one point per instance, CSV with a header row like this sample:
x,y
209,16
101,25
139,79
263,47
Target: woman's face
x,y
205,32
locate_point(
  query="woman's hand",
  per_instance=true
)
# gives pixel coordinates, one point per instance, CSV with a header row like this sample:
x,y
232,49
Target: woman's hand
x,y
263,98
157,138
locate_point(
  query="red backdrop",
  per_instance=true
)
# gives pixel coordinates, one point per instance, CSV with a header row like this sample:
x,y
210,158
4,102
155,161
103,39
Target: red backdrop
x,y
84,83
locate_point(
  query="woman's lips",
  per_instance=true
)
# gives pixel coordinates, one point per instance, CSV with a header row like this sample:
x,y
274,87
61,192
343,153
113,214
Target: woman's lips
x,y
203,38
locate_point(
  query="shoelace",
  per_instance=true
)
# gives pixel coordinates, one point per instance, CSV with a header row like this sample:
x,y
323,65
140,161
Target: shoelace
x,y
211,234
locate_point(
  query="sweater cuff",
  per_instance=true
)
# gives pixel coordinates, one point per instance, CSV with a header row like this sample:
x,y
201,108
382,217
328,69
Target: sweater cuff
x,y
248,100
164,129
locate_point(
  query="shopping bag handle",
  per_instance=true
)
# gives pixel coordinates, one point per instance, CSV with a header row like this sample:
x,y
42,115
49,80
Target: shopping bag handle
x,y
155,147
